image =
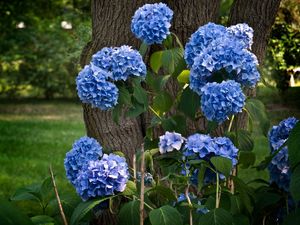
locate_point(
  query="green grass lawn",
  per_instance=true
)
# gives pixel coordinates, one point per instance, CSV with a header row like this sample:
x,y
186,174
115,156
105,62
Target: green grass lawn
x,y
34,134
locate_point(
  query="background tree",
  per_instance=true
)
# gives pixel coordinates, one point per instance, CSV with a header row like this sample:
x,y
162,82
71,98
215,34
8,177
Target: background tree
x,y
111,27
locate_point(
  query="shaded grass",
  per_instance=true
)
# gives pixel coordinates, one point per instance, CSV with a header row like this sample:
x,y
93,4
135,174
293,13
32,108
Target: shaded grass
x,y
33,136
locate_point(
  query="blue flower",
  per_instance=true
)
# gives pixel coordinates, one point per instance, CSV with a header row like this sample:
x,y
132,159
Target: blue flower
x,y
221,100
93,88
151,23
243,32
103,177
227,58
225,148
279,168
170,141
201,39
84,150
148,178
120,62
199,144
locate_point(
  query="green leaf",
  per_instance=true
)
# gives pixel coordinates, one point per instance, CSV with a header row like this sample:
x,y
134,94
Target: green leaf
x,y
245,141
136,110
189,103
246,159
292,217
257,112
240,219
165,215
222,164
130,188
164,192
83,208
295,184
236,204
217,216
293,146
140,93
10,215
175,123
162,103
116,113
129,213
143,48
119,153
43,220
170,58
156,61
124,96
184,77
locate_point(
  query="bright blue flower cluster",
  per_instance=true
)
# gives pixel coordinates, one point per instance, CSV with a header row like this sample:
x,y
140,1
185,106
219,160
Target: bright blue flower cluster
x,y
151,23
205,146
201,39
228,57
120,62
199,144
279,167
84,150
243,32
103,177
170,141
221,100
93,88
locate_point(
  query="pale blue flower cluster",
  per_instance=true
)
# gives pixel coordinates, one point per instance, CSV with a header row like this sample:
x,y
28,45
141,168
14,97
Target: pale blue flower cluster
x,y
204,146
201,209
103,177
84,150
148,178
170,141
120,62
94,89
243,32
201,39
279,168
151,23
221,100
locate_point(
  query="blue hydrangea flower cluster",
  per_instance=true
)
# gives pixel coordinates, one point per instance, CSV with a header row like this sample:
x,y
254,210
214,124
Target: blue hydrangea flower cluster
x,y
201,209
228,54
84,150
102,177
201,40
148,178
151,23
120,62
170,141
94,89
279,168
221,100
243,32
205,146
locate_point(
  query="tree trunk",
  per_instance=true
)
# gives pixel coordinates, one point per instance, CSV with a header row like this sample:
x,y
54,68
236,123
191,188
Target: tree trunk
x,y
260,15
111,27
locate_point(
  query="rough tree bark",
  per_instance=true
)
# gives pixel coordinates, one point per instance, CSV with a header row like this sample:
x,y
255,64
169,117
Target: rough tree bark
x,y
111,27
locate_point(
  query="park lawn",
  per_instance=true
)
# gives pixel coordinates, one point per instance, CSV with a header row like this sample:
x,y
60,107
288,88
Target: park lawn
x,y
34,134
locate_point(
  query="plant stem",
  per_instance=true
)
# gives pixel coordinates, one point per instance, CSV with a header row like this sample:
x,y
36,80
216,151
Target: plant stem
x,y
218,195
142,186
156,114
190,204
61,210
134,170
230,124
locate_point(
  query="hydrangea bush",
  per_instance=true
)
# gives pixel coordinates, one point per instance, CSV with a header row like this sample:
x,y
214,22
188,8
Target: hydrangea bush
x,y
188,177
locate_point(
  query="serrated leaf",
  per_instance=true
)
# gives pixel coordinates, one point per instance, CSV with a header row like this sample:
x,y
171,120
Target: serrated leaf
x,y
295,183
217,216
162,103
156,61
129,213
293,143
222,164
189,103
124,96
140,93
184,77
257,112
165,215
245,141
83,208
130,188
